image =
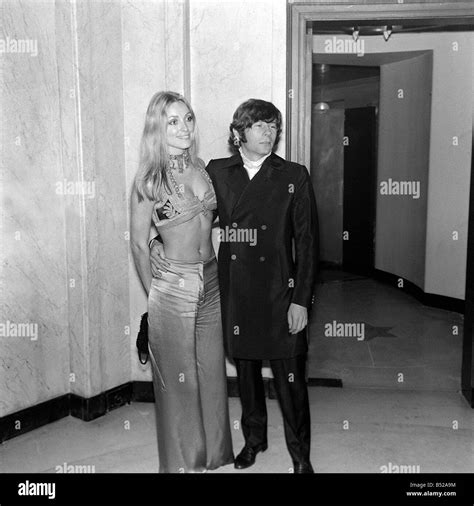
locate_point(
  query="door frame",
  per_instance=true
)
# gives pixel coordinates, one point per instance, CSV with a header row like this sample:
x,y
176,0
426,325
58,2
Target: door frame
x,y
298,118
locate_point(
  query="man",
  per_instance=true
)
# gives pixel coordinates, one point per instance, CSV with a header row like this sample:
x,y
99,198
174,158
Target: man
x,y
267,210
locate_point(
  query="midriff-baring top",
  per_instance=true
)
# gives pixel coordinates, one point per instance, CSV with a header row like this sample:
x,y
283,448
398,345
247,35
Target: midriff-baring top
x,y
175,208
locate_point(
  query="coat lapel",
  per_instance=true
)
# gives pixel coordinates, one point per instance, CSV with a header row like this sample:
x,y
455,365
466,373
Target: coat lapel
x,y
257,190
236,181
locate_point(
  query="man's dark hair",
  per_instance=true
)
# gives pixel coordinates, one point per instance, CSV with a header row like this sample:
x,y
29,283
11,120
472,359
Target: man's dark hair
x,y
250,112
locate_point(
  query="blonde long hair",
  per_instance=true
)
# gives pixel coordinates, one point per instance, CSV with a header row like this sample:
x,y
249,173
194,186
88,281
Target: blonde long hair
x,y
154,155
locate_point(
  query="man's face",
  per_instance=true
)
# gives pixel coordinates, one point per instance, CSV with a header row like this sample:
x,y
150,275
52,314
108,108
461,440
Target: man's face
x,y
260,137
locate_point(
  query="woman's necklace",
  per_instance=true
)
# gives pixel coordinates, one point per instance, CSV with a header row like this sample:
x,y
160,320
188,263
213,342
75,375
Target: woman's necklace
x,y
179,189
179,162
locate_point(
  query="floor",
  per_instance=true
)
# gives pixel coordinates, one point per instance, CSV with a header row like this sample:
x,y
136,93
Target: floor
x,y
353,430
406,345
400,403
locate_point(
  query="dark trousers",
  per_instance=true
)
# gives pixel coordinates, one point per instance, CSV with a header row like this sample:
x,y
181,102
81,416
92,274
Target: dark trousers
x,y
292,393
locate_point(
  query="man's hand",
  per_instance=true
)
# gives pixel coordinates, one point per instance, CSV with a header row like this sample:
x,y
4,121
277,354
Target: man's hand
x,y
297,318
157,258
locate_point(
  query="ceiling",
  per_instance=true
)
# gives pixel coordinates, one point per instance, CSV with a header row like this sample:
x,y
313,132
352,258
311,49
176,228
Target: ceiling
x,y
399,25
369,59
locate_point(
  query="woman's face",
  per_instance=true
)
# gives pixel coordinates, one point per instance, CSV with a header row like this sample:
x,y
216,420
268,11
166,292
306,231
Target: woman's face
x,y
179,128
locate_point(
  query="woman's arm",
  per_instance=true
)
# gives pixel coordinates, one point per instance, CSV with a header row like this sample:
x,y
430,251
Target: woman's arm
x,y
140,224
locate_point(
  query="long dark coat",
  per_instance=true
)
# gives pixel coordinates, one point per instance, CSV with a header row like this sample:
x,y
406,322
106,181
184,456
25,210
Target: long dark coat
x,y
258,282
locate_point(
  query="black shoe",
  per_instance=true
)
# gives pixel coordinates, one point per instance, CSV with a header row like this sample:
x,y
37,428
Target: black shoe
x,y
303,468
246,457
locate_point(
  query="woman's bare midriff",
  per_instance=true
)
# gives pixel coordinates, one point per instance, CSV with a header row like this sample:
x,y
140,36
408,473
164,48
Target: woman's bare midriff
x,y
189,241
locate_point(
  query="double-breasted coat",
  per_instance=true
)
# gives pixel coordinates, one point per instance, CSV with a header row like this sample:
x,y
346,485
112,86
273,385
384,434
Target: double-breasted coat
x,y
261,221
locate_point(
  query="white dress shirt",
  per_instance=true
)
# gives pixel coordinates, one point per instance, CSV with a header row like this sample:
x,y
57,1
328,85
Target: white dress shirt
x,y
252,167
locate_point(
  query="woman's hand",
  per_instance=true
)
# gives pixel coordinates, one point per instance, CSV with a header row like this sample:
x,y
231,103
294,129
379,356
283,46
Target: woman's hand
x,y
140,220
297,318
157,258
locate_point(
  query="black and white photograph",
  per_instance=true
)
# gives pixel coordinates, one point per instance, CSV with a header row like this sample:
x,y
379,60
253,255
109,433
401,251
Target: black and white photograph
x,y
237,241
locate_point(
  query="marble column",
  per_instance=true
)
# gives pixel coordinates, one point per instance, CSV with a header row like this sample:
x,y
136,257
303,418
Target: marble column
x,y
90,64
65,323
34,344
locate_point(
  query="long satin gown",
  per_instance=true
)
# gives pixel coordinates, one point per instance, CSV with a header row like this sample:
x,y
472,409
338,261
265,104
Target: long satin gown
x,y
187,355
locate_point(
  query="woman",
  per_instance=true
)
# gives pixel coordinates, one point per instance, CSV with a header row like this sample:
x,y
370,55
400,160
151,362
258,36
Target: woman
x,y
173,190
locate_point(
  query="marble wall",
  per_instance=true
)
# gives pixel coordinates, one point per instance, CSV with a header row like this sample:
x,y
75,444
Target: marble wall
x,y
73,106
34,344
238,51
65,255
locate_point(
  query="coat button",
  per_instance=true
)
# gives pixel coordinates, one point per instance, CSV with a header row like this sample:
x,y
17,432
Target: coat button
x,y
234,224
262,259
233,257
264,227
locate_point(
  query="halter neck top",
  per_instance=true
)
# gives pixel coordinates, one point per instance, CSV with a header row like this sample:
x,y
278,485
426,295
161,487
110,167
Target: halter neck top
x,y
174,208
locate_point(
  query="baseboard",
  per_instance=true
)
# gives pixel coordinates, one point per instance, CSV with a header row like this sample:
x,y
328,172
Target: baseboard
x,y
88,409
233,388
427,299
31,418
469,396
325,382
142,391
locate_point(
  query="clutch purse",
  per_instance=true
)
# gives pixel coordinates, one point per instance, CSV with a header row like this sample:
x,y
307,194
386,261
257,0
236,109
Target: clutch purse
x,y
142,340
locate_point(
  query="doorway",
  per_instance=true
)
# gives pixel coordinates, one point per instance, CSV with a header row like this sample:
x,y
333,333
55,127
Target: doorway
x,y
402,241
359,190
345,101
